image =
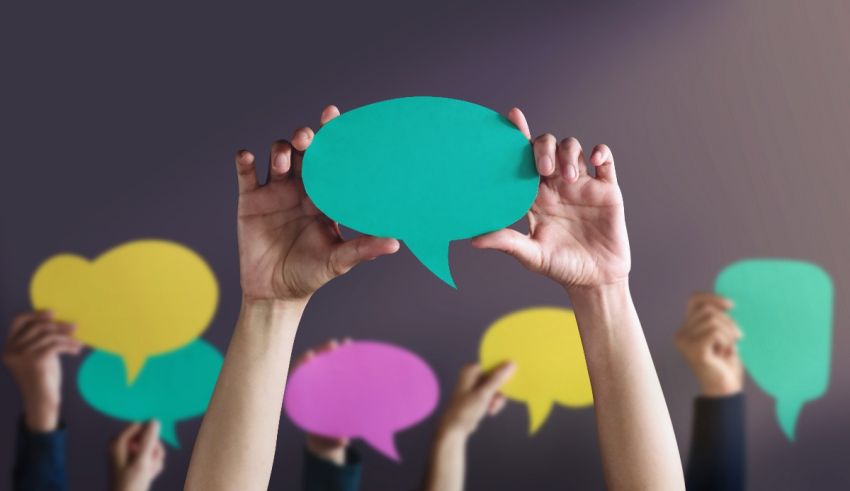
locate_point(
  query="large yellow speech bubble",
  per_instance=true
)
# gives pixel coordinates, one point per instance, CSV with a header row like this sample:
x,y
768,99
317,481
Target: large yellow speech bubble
x,y
550,368
135,300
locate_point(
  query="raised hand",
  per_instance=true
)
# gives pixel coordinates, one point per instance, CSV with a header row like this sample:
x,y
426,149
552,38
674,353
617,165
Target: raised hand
x,y
137,456
31,353
708,340
577,228
327,447
287,247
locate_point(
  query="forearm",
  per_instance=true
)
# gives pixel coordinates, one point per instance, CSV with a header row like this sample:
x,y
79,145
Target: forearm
x,y
447,462
236,444
636,436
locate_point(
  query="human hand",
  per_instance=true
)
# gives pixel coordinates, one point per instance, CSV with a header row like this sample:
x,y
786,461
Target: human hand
x,y
31,353
137,456
577,228
330,448
287,247
475,395
708,340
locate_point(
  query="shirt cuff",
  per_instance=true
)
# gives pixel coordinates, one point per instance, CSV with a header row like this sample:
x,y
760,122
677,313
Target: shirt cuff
x,y
324,475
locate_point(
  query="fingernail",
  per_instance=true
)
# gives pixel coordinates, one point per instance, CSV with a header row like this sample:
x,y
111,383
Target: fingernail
x,y
572,173
281,161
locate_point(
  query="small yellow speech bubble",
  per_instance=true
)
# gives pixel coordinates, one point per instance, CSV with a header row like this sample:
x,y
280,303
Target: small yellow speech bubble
x,y
545,345
135,300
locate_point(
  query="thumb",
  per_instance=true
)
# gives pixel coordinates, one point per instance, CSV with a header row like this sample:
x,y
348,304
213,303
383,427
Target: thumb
x,y
509,241
350,253
496,379
150,438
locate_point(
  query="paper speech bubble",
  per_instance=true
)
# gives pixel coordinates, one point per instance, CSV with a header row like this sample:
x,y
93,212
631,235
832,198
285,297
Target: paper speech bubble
x,y
171,387
784,309
363,389
425,170
135,300
550,368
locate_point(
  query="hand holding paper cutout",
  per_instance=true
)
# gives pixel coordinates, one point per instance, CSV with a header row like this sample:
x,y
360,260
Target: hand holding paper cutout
x,y
476,395
784,309
287,247
138,457
327,447
426,170
708,341
136,300
545,345
171,387
362,389
31,354
577,224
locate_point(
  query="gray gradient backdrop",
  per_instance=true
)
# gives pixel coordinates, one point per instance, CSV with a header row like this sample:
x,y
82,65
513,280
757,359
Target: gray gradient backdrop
x,y
730,122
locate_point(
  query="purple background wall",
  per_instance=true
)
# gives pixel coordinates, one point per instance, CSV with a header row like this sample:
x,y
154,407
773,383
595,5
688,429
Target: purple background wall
x,y
730,122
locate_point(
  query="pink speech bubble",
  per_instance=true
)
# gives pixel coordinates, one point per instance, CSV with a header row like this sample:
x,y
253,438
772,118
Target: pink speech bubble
x,y
363,389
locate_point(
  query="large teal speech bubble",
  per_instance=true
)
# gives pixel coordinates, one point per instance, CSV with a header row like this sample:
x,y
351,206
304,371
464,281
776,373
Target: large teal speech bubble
x,y
171,387
784,309
425,170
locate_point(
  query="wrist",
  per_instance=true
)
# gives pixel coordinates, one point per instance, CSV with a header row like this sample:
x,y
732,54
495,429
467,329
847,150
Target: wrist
x,y
603,303
451,433
41,416
720,390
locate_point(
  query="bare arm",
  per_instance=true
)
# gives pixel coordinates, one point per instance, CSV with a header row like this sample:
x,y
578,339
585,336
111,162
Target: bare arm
x,y
577,237
287,250
475,396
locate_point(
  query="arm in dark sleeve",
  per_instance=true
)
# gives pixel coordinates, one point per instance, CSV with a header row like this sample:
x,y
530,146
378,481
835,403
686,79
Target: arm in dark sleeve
x,y
321,475
40,460
718,456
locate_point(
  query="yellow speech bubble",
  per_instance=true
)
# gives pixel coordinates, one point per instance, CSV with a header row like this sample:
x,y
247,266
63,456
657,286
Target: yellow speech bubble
x,y
135,300
550,368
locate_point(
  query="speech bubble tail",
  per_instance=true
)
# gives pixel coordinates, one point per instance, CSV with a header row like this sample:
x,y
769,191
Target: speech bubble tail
x,y
538,412
787,413
384,443
435,257
168,433
132,367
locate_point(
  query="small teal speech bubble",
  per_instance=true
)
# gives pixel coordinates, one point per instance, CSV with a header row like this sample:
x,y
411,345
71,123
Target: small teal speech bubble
x,y
425,170
171,387
784,309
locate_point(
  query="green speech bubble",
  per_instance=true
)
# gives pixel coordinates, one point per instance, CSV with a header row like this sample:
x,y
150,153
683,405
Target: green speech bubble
x,y
425,170
784,309
171,387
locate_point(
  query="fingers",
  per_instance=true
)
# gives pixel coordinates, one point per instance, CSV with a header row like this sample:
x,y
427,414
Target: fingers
x,y
329,345
511,242
350,253
302,138
303,358
280,160
571,162
27,326
328,114
468,378
603,160
246,172
42,335
23,320
697,300
497,378
150,437
121,444
496,404
544,154
516,117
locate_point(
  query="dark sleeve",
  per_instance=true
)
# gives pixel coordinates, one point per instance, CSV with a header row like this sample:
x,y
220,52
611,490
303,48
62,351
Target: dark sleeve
x,y
718,456
321,475
40,460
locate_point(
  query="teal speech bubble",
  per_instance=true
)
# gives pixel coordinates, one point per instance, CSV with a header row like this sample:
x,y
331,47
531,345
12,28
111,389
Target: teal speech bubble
x,y
784,309
424,170
171,387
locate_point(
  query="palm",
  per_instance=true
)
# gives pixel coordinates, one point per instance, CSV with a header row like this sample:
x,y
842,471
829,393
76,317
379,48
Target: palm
x,y
581,232
284,241
287,247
